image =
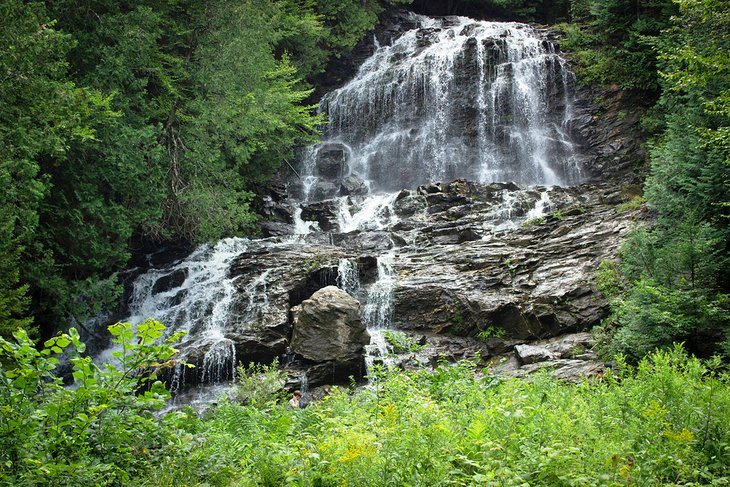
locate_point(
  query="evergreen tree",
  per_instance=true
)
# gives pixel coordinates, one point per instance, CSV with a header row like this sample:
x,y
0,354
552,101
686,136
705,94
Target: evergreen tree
x,y
42,114
678,270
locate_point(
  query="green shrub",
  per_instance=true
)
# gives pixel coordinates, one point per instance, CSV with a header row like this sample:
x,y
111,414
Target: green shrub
x,y
558,214
608,278
652,316
260,385
665,422
402,343
490,332
101,431
633,204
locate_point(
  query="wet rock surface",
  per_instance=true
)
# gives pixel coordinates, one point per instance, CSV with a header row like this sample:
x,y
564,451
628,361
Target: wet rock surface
x,y
519,277
524,279
328,326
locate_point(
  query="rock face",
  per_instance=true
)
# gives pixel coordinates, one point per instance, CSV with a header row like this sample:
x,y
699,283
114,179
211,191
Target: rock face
x,y
533,281
567,357
328,327
523,278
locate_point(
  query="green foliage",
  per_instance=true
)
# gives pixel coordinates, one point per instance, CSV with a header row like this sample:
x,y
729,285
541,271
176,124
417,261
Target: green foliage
x,y
535,221
652,316
402,343
42,114
100,431
613,40
259,385
557,214
313,263
631,205
677,271
608,279
667,422
490,332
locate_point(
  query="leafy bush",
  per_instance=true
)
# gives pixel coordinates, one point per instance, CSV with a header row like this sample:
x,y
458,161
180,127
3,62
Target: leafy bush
x,y
558,214
633,204
401,343
490,332
608,278
666,422
99,431
259,385
652,316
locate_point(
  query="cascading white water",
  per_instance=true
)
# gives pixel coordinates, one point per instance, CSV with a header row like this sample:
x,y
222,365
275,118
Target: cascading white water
x,y
485,101
377,313
374,213
194,294
455,98
200,301
378,297
348,277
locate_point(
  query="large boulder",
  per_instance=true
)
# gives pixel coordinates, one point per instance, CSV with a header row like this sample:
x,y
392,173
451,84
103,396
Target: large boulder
x,y
332,161
353,185
328,327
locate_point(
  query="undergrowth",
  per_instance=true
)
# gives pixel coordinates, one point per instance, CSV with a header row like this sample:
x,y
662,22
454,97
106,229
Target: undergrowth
x,y
665,422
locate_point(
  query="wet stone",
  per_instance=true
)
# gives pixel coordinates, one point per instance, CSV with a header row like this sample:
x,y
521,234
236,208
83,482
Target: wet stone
x,y
170,281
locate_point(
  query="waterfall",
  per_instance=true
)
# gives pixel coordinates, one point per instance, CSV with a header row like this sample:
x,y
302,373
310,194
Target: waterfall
x,y
193,294
374,213
486,101
378,297
453,98
378,310
258,296
348,277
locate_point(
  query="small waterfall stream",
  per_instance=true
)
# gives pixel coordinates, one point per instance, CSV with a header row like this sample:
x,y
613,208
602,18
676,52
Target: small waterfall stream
x,y
377,312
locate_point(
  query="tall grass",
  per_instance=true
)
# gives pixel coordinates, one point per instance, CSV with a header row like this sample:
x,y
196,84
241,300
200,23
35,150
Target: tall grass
x,y
666,422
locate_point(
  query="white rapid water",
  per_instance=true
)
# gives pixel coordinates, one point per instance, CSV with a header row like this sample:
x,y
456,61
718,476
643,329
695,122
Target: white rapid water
x,y
201,299
198,299
378,298
374,213
377,313
348,277
486,101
